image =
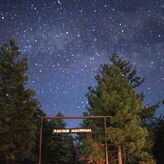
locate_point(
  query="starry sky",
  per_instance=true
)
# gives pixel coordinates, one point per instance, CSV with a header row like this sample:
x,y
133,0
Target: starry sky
x,y
65,41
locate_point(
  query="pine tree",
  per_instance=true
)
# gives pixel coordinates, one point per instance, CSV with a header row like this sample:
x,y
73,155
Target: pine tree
x,y
90,149
17,106
158,136
147,114
115,96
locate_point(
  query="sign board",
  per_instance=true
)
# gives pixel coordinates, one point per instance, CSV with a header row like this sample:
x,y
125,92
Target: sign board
x,y
58,131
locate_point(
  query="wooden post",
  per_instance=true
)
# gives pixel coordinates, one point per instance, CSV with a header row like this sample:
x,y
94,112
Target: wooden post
x,y
40,142
106,145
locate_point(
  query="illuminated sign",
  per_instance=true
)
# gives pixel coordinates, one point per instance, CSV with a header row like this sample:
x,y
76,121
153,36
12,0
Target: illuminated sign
x,y
57,131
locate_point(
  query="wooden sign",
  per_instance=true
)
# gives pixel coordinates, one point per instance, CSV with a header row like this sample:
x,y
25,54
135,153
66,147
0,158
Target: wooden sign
x,y
58,131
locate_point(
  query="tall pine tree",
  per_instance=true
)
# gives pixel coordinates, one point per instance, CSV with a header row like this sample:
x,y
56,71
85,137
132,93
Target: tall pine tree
x,y
158,136
17,106
147,114
115,96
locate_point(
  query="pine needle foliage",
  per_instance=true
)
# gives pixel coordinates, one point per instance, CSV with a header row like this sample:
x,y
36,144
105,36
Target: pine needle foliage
x,y
115,96
17,106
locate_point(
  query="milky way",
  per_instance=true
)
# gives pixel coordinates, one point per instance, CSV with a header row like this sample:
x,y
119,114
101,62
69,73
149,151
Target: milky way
x,y
66,41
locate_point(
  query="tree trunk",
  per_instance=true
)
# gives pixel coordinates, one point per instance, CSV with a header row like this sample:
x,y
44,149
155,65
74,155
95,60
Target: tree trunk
x,y
119,155
11,159
123,154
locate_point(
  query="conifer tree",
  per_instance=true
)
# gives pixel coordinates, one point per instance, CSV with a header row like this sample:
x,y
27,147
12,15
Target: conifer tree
x,y
158,136
91,148
115,96
147,114
17,106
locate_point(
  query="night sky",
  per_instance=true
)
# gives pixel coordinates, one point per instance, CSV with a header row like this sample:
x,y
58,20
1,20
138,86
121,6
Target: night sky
x,y
65,41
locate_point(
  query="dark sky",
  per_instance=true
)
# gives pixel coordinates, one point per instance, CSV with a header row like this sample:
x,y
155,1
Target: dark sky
x,y
66,41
